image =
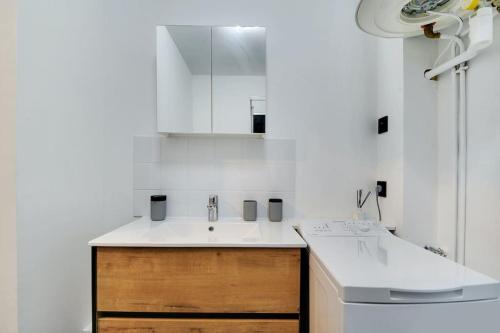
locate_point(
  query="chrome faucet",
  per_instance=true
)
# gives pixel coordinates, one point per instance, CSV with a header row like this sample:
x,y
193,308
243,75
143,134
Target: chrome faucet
x,y
213,208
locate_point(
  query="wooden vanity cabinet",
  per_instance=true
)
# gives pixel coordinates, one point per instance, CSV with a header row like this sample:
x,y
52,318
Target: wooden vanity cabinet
x,y
177,290
137,325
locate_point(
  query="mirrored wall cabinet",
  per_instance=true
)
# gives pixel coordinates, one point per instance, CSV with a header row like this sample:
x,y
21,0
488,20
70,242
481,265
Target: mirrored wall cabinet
x,y
211,80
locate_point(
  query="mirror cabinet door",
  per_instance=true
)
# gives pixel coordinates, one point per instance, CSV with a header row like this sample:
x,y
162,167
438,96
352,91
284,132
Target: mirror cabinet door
x,y
184,74
239,80
211,79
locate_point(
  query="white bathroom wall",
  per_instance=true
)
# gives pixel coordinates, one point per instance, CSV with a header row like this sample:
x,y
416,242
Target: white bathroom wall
x,y
329,108
407,153
86,71
8,249
189,169
86,84
390,145
175,86
420,143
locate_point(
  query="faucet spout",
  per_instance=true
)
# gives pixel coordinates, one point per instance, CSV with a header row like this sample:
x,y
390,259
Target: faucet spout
x,y
213,208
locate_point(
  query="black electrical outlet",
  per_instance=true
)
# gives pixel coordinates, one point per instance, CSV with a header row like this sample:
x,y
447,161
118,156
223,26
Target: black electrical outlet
x,y
383,190
383,124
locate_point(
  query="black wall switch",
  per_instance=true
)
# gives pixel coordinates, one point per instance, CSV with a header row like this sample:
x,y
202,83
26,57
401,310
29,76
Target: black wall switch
x,y
383,125
383,192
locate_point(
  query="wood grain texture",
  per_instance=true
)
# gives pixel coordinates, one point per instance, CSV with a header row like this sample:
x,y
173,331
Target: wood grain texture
x,y
198,280
133,325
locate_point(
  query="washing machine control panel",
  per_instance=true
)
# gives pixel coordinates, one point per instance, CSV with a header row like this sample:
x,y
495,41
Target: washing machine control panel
x,y
345,228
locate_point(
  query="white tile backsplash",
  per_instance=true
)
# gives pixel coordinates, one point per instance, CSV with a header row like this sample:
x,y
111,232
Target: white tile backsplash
x,y
280,177
147,176
142,202
231,204
197,203
254,176
201,150
178,203
188,169
174,175
229,150
202,176
147,149
279,150
255,150
230,175
174,149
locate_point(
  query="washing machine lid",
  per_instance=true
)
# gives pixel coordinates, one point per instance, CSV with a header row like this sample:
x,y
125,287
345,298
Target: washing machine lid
x,y
373,266
404,18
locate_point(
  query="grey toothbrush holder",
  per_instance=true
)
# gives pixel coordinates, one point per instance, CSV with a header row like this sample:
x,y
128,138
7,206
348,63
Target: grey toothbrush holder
x,y
158,207
275,210
250,210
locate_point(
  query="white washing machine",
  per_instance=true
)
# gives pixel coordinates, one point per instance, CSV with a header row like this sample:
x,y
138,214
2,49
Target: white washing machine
x,y
365,280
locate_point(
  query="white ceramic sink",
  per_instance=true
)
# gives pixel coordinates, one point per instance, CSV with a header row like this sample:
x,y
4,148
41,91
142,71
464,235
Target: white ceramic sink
x,y
188,232
216,231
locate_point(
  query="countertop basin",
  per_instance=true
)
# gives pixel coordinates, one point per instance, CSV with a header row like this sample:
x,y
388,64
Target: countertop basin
x,y
215,232
189,232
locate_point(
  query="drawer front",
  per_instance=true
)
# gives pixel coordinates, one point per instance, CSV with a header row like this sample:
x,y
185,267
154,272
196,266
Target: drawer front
x,y
132,325
203,280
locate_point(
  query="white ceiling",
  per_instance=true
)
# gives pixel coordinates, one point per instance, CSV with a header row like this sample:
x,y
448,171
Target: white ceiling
x,y
236,50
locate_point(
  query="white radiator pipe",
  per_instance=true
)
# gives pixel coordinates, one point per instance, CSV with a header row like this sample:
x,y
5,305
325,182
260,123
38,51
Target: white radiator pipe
x,y
460,107
461,227
481,36
458,83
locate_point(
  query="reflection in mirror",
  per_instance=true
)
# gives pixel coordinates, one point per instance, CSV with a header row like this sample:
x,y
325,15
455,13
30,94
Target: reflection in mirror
x,y
184,79
258,114
239,79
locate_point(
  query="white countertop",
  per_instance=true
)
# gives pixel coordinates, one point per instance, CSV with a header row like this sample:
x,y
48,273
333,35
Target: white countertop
x,y
377,267
189,232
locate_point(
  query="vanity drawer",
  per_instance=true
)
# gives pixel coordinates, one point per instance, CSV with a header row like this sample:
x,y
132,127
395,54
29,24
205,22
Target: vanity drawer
x,y
198,280
133,325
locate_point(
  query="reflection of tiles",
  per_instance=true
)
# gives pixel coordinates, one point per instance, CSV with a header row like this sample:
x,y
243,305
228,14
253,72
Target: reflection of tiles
x,y
188,169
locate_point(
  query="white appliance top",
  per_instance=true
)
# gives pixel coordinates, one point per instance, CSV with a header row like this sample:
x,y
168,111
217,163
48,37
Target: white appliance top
x,y
368,264
191,232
